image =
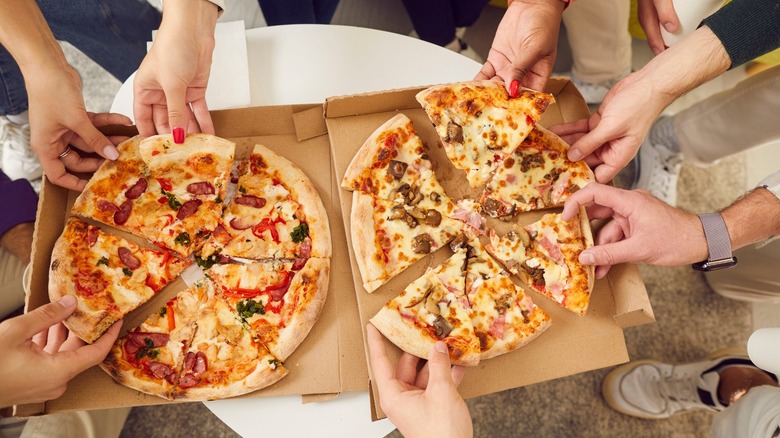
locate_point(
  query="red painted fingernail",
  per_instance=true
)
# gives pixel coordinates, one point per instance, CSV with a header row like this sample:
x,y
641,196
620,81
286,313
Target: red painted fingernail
x,y
513,88
178,135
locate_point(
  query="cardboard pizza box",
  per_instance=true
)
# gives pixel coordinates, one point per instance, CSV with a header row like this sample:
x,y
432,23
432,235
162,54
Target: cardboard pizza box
x,y
573,344
319,368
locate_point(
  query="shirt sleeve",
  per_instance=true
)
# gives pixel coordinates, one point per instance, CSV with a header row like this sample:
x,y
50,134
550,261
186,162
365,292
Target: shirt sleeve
x,y
772,183
747,28
20,200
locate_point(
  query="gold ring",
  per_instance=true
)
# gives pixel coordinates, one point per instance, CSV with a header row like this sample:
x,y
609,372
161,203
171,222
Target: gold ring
x,y
66,152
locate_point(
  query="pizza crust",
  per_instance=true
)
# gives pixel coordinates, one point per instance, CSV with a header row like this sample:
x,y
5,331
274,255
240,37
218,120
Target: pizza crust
x,y
262,376
364,241
587,236
398,331
124,374
366,155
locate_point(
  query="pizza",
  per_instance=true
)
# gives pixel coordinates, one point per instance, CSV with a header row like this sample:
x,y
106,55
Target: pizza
x,y
537,175
545,254
109,276
479,124
169,194
276,212
277,301
432,309
393,156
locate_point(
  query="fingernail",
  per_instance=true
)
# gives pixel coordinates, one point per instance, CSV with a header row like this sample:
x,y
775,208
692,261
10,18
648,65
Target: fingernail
x,y
67,301
110,152
441,347
513,88
669,27
587,258
574,154
178,135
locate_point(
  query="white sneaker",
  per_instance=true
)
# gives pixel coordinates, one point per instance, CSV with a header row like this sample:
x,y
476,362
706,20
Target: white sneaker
x,y
659,168
654,390
594,93
19,161
460,46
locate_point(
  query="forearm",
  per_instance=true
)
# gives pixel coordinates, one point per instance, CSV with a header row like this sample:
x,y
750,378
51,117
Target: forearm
x,y
686,65
199,15
753,218
18,241
27,37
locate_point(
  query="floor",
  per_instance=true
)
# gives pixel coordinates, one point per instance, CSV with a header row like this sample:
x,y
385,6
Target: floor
x,y
692,321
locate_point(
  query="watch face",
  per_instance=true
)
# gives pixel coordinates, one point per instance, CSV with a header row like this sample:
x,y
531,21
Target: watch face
x,y
714,265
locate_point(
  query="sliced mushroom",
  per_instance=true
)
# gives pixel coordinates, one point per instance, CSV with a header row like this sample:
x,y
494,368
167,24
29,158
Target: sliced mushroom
x,y
503,303
537,274
454,133
410,220
512,265
417,213
403,189
397,169
421,244
435,197
416,198
491,207
443,328
432,306
397,212
524,236
432,217
507,215
458,242
422,297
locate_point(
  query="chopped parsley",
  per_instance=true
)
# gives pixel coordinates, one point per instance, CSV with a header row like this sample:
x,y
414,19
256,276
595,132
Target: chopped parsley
x,y
242,189
172,201
163,310
274,363
127,272
218,200
102,261
148,350
300,232
207,262
182,239
247,308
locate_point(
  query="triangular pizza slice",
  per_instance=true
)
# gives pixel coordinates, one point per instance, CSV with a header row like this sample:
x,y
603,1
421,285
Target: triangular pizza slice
x,y
479,124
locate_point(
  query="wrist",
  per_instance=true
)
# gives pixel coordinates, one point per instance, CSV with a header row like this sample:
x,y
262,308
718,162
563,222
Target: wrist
x,y
557,5
193,17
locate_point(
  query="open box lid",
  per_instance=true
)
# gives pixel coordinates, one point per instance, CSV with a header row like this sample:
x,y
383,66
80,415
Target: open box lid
x,y
322,365
572,344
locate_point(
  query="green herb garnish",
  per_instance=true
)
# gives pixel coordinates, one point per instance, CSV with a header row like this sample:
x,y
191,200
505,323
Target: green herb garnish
x,y
207,262
102,261
274,363
242,189
172,201
163,310
127,272
218,200
147,351
247,308
182,239
300,232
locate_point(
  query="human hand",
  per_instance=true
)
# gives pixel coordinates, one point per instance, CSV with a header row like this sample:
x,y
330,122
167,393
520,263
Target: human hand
x,y
652,15
170,85
40,357
525,45
424,403
613,134
59,118
640,228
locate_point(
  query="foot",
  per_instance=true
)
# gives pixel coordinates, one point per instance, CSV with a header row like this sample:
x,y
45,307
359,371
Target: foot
x,y
19,161
654,390
659,168
460,46
594,92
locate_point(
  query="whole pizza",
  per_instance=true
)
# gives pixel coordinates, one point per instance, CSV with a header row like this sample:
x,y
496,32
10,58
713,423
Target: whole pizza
x,y
255,228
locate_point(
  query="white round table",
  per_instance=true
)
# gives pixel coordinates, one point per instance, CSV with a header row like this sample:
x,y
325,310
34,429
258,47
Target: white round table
x,y
306,64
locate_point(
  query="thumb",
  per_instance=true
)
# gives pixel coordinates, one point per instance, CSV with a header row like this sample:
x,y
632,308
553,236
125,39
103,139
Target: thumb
x,y
26,326
667,15
439,375
95,139
178,112
608,254
589,142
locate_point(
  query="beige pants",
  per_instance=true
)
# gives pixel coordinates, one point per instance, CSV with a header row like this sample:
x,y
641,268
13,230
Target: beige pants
x,y
729,122
106,423
599,38
11,291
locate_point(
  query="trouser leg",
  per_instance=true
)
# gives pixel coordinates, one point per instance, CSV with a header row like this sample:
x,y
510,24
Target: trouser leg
x,y
467,12
756,277
754,415
105,423
433,20
11,290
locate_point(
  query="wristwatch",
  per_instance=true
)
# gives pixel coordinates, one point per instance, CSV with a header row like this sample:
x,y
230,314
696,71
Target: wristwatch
x,y
718,244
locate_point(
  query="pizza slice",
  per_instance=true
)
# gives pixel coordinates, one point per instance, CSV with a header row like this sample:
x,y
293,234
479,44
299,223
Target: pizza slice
x,y
223,359
391,157
537,175
276,213
504,317
109,276
278,301
388,237
479,124
545,254
428,311
150,357
174,199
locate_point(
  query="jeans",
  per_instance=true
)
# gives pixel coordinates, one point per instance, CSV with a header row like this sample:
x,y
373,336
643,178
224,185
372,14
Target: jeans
x,y
435,20
111,32
278,12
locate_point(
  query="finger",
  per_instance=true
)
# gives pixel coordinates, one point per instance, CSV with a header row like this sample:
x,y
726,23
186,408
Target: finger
x,y
610,233
142,112
160,117
605,172
488,71
457,373
29,324
599,212
610,254
590,141
406,370
595,193
203,116
56,336
105,119
667,15
87,356
40,338
576,127
116,139
421,381
96,141
648,19
601,271
72,343
76,163
380,364
439,367
178,110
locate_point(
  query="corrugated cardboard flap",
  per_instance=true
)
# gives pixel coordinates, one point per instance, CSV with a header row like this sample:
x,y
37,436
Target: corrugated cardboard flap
x,y
631,308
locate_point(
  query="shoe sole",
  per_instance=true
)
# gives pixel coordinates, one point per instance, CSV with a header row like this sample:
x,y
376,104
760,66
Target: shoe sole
x,y
623,369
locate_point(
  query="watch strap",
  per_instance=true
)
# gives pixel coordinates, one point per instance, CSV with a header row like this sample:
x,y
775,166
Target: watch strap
x,y
717,235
